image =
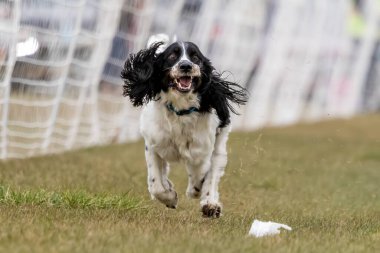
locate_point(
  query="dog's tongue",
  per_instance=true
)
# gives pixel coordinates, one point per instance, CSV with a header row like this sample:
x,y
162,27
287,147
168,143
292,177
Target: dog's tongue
x,y
185,81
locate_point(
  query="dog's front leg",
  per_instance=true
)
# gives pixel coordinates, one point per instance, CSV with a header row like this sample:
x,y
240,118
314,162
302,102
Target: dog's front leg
x,y
211,207
159,185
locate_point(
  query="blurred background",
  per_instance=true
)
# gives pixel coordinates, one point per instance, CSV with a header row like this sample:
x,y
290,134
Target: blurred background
x,y
60,63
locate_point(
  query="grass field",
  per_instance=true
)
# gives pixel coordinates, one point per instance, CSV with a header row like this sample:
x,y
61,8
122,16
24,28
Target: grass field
x,y
322,179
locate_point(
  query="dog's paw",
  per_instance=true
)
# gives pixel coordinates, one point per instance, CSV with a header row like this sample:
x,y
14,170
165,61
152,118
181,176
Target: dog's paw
x,y
167,197
211,210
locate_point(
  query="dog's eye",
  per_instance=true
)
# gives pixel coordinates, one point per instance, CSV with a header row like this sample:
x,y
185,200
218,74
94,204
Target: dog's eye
x,y
172,56
195,58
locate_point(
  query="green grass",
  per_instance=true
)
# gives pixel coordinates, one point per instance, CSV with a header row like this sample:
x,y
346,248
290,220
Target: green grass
x,y
321,179
72,199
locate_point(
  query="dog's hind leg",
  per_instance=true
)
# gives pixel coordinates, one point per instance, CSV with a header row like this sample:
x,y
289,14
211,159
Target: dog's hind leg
x,y
197,176
211,207
159,185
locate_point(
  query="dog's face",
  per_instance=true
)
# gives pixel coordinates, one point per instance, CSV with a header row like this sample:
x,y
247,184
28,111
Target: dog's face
x,y
183,71
182,65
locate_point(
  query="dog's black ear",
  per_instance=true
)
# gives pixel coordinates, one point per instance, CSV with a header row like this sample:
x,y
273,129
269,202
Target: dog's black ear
x,y
138,75
222,94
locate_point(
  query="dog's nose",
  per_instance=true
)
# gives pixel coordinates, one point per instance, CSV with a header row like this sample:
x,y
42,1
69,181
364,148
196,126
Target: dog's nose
x,y
185,66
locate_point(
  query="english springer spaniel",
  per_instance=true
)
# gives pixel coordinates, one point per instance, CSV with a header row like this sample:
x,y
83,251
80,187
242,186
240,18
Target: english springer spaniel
x,y
186,118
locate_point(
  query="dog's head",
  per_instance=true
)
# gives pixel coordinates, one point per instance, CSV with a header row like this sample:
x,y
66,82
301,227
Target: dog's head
x,y
182,65
181,69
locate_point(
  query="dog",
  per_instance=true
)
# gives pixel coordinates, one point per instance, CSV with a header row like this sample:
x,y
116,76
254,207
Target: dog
x,y
186,118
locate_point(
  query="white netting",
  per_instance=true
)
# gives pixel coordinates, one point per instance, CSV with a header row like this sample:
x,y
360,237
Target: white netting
x,y
60,62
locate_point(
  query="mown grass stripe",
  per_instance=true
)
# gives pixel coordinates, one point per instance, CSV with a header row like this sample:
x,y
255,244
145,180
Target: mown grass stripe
x,y
70,199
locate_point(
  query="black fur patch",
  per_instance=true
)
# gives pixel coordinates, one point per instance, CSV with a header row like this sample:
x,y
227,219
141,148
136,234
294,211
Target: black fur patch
x,y
138,75
220,94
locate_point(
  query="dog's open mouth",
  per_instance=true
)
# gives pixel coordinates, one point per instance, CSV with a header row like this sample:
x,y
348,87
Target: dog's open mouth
x,y
183,83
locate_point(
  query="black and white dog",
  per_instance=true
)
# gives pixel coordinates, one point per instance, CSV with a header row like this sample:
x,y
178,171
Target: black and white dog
x,y
186,118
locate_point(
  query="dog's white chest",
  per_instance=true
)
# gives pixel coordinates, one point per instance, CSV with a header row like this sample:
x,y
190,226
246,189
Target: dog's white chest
x,y
188,138
188,142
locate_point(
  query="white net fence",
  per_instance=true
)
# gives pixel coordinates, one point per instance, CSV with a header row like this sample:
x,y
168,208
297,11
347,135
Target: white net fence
x,y
60,63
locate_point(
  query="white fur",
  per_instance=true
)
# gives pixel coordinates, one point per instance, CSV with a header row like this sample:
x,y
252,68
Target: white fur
x,y
184,55
161,37
193,139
